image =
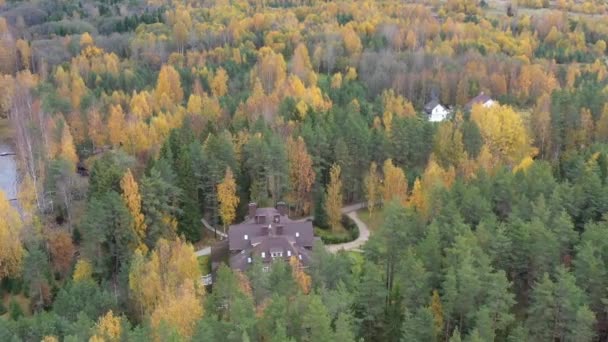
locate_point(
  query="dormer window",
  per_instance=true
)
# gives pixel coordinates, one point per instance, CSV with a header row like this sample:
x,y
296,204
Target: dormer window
x,y
297,234
276,254
246,237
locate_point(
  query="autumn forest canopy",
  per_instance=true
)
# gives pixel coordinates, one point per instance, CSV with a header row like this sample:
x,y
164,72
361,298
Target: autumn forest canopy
x,y
132,121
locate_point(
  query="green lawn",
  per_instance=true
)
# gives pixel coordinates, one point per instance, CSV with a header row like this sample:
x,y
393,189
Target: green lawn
x,y
204,263
374,221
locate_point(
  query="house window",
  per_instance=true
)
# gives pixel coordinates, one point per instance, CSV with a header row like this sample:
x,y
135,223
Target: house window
x,y
266,269
297,234
249,260
288,253
263,254
300,256
246,237
276,254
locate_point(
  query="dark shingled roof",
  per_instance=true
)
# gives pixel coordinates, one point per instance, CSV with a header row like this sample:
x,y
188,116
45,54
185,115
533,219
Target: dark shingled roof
x,y
428,108
268,231
236,234
283,244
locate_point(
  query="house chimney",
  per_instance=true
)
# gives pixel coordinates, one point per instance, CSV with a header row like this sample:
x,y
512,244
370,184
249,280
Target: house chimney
x,y
252,208
282,208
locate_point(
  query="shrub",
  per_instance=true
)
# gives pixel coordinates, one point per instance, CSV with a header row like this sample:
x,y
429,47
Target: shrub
x,y
329,238
15,310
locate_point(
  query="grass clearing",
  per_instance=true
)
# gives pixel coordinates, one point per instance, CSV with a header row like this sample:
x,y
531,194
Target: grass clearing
x,y
374,221
204,262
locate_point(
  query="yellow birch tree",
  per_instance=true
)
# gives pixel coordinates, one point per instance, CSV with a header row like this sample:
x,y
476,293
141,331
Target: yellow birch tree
x,y
333,198
373,188
11,250
395,183
132,199
227,198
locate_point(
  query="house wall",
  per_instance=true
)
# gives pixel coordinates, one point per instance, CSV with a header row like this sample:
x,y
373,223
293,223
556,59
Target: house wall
x,y
438,114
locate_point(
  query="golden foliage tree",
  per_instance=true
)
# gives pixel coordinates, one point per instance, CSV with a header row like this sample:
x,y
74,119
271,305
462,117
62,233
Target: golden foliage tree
x,y
108,328
418,198
541,124
270,69
168,92
83,271
503,131
336,81
352,42
333,198
448,145
25,53
170,266
96,129
140,105
68,151
86,40
485,160
301,174
227,198
181,310
300,64
524,164
116,125
11,250
195,104
77,89
219,83
373,188
302,279
436,176
27,199
132,199
61,250
437,310
395,183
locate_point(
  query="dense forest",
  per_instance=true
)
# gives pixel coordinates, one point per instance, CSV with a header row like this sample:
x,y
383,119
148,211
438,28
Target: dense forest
x,y
133,120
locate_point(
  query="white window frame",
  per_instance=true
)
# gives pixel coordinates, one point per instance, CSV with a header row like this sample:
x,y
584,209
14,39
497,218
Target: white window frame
x,y
288,253
263,254
246,237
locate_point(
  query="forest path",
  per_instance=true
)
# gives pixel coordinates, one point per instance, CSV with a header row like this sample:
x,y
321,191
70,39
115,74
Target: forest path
x,y
358,242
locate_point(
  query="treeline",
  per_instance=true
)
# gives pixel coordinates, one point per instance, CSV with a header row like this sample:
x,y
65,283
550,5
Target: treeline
x,y
504,256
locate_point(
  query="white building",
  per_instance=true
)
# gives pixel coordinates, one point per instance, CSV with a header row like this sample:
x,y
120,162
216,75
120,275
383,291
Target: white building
x,y
436,112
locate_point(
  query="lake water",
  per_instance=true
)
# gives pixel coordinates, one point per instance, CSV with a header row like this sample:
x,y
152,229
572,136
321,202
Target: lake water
x,y
8,172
